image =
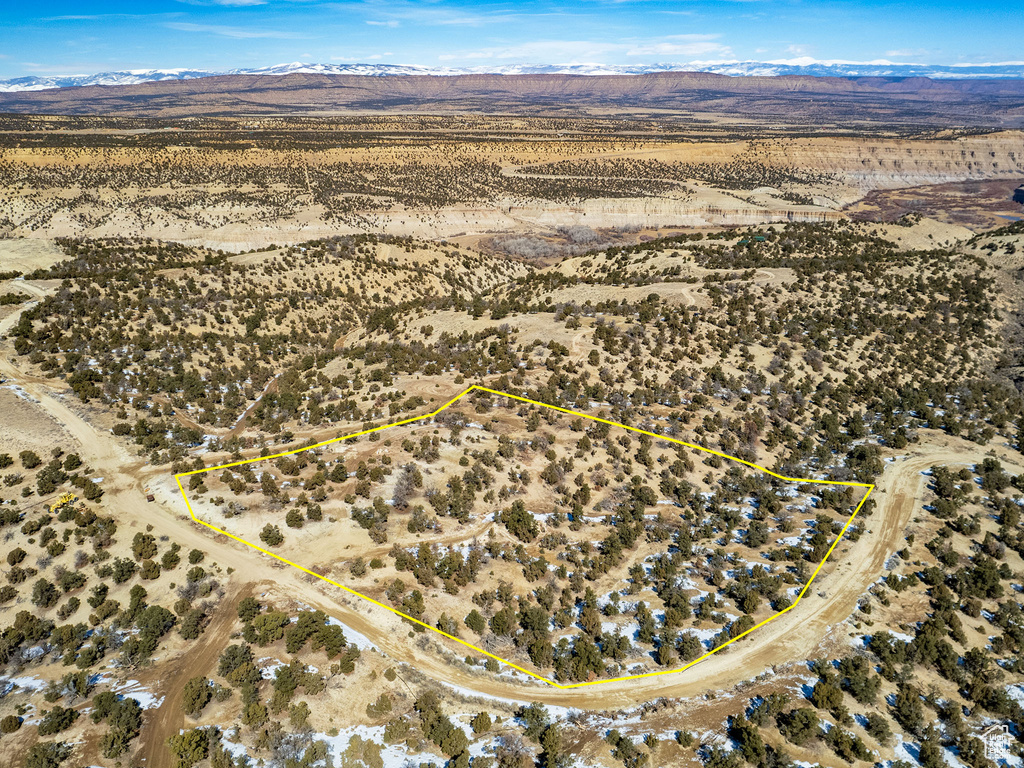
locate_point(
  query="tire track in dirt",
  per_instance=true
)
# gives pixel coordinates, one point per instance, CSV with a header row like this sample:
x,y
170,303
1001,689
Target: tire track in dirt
x,y
199,658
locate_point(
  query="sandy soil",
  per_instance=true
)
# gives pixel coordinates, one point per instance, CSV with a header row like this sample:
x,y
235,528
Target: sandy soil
x,y
26,255
25,427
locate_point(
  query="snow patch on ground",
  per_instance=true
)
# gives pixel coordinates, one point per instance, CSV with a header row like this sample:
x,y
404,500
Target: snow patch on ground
x,y
556,712
29,683
706,636
907,751
133,689
21,393
392,755
233,747
268,666
359,640
949,755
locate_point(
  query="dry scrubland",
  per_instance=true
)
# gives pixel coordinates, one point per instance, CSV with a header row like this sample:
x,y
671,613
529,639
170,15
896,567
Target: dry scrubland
x,y
519,526
176,296
873,352
239,184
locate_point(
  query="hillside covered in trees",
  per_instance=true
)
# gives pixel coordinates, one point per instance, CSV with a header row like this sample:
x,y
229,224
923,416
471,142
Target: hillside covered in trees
x,y
582,551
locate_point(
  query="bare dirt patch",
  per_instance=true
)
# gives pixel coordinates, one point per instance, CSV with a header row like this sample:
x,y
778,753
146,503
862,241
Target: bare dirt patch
x,y
977,205
26,255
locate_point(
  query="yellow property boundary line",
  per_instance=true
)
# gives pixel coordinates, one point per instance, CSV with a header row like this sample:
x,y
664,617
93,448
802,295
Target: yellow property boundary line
x,y
478,388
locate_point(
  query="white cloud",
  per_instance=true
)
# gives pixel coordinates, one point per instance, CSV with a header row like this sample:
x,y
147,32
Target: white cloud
x,y
681,45
80,17
69,70
988,64
226,3
242,33
424,14
809,61
390,23
902,53
589,52
101,16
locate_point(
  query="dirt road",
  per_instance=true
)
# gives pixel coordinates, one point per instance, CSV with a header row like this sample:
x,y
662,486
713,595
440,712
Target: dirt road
x,y
795,635
201,659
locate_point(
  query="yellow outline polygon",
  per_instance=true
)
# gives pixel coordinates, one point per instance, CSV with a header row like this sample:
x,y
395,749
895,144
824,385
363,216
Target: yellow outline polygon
x,y
478,388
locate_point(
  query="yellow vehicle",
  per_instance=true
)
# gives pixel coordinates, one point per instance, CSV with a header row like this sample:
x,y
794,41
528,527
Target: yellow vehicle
x,y
66,498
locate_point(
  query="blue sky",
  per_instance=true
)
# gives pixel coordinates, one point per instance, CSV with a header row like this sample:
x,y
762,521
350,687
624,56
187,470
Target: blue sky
x,y
86,37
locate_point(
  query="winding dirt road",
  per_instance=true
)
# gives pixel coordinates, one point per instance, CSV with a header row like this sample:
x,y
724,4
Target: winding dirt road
x,y
795,635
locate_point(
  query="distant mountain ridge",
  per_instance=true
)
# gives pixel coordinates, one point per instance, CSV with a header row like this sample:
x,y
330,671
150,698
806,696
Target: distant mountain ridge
x,y
803,66
806,100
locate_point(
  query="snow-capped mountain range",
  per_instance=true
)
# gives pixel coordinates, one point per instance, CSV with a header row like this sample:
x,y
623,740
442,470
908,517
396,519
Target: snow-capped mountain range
x,y
799,66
